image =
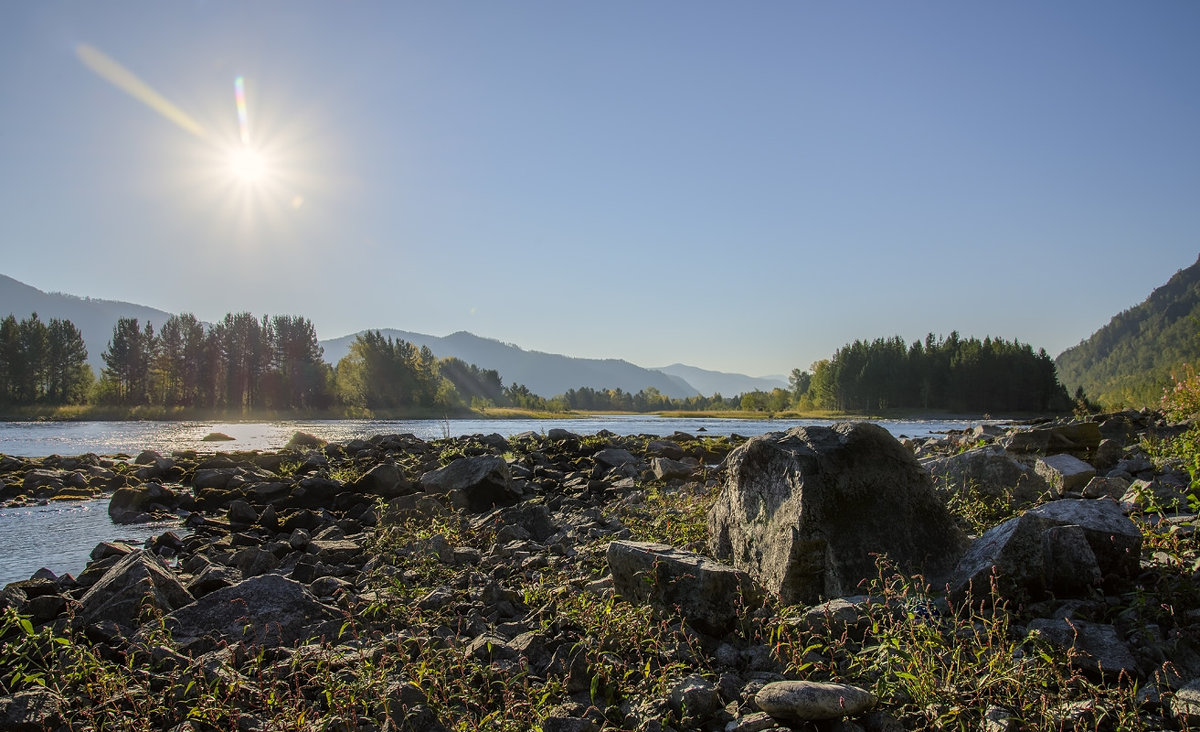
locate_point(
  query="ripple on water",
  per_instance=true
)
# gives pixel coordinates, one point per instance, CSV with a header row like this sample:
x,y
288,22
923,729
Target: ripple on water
x,y
61,535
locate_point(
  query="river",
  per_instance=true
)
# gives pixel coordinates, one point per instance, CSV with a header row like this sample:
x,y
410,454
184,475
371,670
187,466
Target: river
x,y
60,536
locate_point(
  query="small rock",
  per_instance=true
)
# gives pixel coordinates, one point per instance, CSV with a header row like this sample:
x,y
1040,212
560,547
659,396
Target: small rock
x,y
799,701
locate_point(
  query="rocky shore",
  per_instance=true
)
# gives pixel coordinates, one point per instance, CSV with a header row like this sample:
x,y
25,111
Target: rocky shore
x,y
1034,577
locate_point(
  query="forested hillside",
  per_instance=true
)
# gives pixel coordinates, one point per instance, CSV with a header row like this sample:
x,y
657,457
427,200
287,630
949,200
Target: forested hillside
x,y
1128,362
958,374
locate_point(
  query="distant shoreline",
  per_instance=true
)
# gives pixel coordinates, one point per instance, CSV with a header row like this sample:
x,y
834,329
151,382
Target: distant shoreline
x,y
103,413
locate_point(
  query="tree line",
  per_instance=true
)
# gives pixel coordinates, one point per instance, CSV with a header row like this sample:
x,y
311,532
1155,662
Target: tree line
x,y
42,362
243,364
953,373
239,364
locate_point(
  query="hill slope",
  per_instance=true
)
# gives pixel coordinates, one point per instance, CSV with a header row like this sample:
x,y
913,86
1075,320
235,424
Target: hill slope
x,y
95,319
1129,361
720,382
546,374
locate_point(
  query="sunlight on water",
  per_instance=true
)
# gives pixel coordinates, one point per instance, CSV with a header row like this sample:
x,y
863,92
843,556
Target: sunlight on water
x,y
38,439
60,536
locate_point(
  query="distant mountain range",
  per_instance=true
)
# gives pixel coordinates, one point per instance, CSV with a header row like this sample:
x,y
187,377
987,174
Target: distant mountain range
x,y
1130,360
719,382
546,374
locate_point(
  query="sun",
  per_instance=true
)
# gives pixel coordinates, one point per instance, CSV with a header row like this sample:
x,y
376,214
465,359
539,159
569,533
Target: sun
x,y
248,165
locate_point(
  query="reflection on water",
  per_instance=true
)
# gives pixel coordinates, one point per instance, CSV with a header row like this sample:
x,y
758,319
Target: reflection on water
x,y
60,536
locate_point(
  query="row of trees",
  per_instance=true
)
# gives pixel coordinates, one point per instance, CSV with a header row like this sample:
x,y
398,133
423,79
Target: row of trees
x,y
244,363
970,375
42,363
240,363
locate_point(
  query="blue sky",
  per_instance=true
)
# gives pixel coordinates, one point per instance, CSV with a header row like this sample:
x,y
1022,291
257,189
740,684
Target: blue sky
x,y
737,186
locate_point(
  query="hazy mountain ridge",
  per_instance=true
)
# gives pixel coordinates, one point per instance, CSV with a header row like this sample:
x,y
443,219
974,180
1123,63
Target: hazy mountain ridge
x,y
95,318
1131,359
720,382
546,374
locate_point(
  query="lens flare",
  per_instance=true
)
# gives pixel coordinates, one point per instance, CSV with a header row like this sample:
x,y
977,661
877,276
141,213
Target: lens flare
x,y
128,82
239,95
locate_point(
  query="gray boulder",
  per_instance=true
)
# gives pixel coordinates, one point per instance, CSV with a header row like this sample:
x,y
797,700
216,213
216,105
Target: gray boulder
x,y
806,512
268,610
992,471
709,595
666,469
475,484
386,480
139,582
1026,558
614,457
801,701
31,710
135,504
1077,438
1065,473
1094,647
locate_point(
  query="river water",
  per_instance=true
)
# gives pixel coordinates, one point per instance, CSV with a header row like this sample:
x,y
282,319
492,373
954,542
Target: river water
x,y
60,535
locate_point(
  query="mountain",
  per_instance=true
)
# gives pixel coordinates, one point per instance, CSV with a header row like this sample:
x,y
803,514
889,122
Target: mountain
x,y
1129,361
546,374
720,382
95,319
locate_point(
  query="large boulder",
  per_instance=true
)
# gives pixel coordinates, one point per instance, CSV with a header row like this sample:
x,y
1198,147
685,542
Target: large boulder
x,y
385,479
807,512
1030,554
709,595
1076,438
138,583
1065,473
476,484
268,610
992,471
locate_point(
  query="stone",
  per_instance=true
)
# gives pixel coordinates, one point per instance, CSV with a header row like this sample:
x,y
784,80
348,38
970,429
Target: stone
x,y
217,437
1064,473
386,480
242,513
1185,704
1069,562
990,470
666,469
137,583
806,512
801,701
1014,554
475,484
614,457
1076,438
1105,488
31,710
1094,647
694,699
710,596
268,610
253,561
304,441
1155,496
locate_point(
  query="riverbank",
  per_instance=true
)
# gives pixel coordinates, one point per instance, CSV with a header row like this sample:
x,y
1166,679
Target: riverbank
x,y
113,413
469,583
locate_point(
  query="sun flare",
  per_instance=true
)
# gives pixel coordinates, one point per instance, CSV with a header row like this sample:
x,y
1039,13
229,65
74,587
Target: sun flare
x,y
248,165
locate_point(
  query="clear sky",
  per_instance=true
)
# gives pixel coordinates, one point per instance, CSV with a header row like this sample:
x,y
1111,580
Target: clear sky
x,y
736,186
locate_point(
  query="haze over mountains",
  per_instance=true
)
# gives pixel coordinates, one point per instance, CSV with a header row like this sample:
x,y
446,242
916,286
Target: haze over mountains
x,y
545,374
